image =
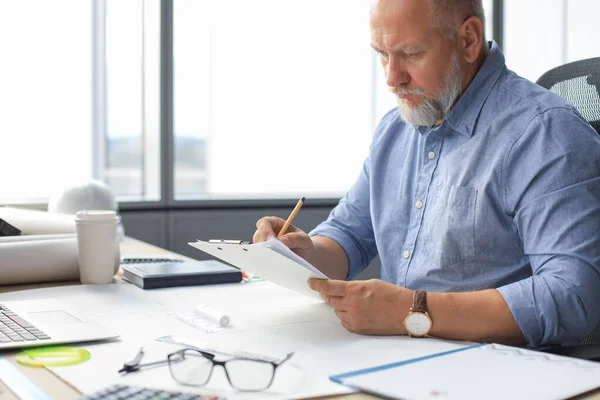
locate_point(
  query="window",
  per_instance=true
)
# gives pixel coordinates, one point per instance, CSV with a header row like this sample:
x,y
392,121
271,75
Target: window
x,y
131,80
124,83
272,100
562,31
79,97
46,100
268,101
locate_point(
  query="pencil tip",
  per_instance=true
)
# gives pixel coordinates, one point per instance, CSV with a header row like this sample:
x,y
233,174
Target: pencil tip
x,y
302,199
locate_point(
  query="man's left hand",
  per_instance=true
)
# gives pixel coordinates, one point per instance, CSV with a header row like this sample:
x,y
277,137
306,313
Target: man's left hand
x,y
372,307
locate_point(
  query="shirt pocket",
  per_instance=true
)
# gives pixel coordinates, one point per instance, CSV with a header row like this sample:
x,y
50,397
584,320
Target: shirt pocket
x,y
449,226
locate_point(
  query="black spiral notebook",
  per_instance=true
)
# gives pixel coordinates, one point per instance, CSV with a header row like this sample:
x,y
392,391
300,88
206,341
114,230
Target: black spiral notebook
x,y
150,274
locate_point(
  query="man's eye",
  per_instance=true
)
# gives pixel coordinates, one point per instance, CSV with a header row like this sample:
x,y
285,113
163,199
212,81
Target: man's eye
x,y
383,54
412,55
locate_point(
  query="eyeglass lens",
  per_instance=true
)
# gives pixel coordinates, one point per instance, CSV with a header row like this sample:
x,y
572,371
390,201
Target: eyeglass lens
x,y
243,374
193,369
249,374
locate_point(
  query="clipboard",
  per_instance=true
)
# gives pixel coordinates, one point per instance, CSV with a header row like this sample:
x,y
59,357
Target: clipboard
x,y
271,260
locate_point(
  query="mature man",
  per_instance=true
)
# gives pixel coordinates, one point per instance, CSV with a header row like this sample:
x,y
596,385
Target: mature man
x,y
481,195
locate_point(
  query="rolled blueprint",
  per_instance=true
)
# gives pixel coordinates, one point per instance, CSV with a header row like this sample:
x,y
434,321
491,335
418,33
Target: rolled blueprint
x,y
31,238
32,222
35,261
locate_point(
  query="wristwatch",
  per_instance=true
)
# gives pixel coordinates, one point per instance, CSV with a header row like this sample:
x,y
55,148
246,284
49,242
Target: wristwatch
x,y
418,322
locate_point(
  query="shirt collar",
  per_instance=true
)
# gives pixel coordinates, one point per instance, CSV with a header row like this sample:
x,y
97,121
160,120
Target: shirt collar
x,y
464,114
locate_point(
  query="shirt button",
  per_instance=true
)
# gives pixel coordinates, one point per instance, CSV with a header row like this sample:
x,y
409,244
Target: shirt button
x,y
431,155
419,204
406,254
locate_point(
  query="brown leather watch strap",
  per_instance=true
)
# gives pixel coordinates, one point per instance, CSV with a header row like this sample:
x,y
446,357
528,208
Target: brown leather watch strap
x,y
419,301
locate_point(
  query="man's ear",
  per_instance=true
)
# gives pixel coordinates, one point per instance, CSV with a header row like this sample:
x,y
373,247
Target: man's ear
x,y
471,38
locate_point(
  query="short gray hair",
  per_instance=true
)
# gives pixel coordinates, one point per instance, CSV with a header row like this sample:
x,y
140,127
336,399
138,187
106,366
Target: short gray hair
x,y
448,15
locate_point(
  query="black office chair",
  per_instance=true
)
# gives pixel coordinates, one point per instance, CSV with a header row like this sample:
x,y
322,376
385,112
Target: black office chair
x,y
579,84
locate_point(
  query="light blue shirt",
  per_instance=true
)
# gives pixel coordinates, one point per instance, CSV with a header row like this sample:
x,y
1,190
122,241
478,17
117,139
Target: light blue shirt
x,y
504,194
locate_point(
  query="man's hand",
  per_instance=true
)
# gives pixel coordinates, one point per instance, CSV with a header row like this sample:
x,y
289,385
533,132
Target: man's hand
x,y
371,307
296,239
323,253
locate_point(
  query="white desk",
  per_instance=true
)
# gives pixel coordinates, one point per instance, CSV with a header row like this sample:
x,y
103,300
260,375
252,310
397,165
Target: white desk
x,y
59,389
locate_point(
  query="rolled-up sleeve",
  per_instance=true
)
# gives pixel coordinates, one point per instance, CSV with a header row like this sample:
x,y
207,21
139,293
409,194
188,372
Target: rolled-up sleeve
x,y
350,225
552,187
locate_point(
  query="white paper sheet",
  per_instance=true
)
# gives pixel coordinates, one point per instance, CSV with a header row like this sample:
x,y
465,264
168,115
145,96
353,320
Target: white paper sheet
x,y
492,372
267,319
282,249
270,260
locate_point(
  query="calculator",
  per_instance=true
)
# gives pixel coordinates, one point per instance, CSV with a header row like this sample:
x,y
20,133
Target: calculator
x,y
122,392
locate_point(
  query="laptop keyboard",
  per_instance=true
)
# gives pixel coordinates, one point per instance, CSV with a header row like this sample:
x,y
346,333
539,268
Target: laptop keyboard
x,y
15,329
119,392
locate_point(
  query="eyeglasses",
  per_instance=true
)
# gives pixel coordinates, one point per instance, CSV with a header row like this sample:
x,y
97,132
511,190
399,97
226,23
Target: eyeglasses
x,y
194,368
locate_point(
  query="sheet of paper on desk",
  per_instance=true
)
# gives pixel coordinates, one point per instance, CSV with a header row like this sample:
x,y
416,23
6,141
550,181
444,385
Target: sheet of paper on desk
x,y
271,260
320,349
491,372
111,302
102,370
276,321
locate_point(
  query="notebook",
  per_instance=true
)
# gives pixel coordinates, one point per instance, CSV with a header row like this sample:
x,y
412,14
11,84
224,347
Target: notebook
x,y
271,260
486,371
43,322
154,275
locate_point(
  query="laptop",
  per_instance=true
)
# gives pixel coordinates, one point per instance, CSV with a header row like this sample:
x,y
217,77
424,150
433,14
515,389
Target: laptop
x,y
43,322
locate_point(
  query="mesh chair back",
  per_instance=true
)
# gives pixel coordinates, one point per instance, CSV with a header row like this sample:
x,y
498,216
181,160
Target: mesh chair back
x,y
593,337
579,84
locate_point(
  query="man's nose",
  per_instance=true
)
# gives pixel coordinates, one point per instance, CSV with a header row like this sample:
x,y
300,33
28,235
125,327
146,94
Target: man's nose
x,y
396,74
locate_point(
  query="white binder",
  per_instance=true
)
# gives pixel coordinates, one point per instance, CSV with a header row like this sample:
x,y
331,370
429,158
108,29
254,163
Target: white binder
x,y
271,260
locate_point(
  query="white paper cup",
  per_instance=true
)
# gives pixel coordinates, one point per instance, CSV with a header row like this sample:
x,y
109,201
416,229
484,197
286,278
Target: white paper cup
x,y
97,245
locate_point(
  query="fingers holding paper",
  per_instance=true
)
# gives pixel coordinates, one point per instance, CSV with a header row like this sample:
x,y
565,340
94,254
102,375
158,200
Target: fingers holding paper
x,y
268,227
296,239
372,307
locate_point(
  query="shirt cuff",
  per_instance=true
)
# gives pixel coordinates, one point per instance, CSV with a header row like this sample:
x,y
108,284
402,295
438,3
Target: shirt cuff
x,y
520,298
352,252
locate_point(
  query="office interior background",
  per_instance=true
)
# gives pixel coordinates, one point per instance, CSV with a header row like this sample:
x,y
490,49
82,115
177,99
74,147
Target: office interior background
x,y
204,115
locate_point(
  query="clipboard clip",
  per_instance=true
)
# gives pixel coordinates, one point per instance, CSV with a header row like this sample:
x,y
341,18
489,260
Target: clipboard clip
x,y
226,241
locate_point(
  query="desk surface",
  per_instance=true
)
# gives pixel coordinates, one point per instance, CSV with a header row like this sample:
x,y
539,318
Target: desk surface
x,y
58,389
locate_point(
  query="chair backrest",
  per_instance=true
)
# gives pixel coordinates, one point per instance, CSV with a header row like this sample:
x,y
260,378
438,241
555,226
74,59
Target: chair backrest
x,y
593,337
579,84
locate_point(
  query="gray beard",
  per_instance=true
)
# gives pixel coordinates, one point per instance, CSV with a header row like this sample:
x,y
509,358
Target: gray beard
x,y
431,110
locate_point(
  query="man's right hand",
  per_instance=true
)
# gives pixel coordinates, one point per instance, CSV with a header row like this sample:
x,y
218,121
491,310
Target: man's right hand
x,y
296,239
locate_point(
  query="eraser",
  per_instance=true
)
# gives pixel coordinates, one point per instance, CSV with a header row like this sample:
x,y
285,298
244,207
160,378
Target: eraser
x,y
212,314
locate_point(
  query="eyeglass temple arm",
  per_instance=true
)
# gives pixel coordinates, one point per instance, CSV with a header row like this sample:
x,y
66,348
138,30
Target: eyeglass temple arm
x,y
287,357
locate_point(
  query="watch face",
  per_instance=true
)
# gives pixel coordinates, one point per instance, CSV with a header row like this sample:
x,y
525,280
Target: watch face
x,y
417,324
